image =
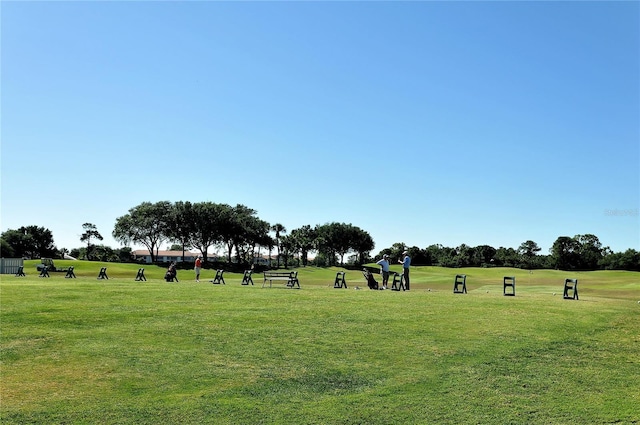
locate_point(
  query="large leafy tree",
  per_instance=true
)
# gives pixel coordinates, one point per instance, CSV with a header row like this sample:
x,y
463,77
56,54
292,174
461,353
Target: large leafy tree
x,y
341,237
30,242
246,232
590,251
5,249
90,232
210,225
483,254
233,221
21,243
396,250
507,257
565,253
181,224
326,241
145,224
463,256
257,235
434,253
104,253
527,252
362,244
627,260
254,232
337,239
303,241
124,254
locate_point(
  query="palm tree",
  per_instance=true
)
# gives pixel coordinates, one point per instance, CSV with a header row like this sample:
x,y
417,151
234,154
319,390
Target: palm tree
x,y
278,229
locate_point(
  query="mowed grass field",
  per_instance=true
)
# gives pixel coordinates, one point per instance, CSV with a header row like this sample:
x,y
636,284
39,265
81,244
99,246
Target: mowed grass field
x,y
117,351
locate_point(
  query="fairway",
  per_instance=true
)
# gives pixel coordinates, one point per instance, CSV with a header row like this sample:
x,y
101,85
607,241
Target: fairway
x,y
87,351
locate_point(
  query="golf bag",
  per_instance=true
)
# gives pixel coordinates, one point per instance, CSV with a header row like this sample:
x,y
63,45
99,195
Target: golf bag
x,y
171,274
371,282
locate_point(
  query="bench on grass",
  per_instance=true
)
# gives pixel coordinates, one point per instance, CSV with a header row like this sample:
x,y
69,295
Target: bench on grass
x,y
70,274
290,277
20,271
246,278
219,279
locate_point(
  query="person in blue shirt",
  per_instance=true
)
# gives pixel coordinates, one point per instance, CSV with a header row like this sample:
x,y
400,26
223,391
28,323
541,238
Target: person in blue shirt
x,y
406,263
384,270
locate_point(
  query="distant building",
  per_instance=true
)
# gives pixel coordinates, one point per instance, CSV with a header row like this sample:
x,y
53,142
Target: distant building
x,y
261,260
143,256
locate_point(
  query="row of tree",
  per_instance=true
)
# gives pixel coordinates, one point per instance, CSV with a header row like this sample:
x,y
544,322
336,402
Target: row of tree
x,y
581,252
37,242
206,225
238,229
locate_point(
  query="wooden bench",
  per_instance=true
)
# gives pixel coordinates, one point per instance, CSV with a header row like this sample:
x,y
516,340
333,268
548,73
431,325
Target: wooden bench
x,y
219,279
70,274
44,272
103,273
340,281
246,278
20,272
290,277
140,275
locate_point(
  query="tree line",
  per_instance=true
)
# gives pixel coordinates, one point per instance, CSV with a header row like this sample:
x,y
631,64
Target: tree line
x,y
581,252
241,234
37,242
235,229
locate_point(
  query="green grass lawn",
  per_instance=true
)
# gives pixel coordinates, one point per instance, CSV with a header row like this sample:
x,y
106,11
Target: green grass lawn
x,y
87,351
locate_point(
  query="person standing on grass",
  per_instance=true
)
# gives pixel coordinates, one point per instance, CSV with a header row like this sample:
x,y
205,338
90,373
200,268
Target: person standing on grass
x,y
198,267
406,263
384,270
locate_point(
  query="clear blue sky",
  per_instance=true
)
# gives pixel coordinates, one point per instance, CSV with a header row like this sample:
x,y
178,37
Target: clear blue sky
x,y
419,122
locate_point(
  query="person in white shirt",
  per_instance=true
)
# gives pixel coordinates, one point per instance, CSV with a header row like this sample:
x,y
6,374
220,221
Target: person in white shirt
x,y
384,270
